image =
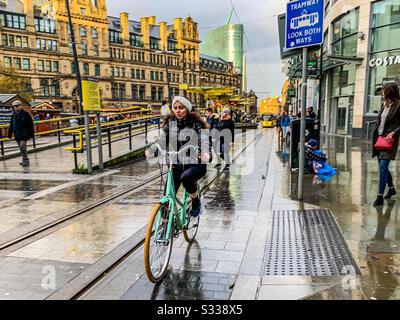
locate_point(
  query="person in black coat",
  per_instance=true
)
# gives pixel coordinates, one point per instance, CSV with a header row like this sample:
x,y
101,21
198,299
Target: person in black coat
x,y
226,130
388,126
212,120
21,125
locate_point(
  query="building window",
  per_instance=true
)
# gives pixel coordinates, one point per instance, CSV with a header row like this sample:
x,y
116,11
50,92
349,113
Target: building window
x,y
73,68
154,43
95,34
122,72
134,92
153,94
344,37
17,63
114,36
86,69
84,49
83,32
26,64
142,93
114,91
12,20
48,66
18,41
4,40
160,94
7,62
97,70
384,57
136,40
143,75
24,42
55,88
44,88
55,66
122,92
11,40
95,50
112,71
152,75
132,73
45,25
41,65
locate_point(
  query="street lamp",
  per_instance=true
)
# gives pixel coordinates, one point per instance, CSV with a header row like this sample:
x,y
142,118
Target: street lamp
x,y
166,68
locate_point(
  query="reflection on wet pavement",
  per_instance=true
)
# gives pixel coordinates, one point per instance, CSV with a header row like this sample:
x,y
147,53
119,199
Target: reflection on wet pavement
x,y
369,232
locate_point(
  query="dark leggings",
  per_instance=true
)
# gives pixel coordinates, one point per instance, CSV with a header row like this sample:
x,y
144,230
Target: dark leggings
x,y
188,176
385,176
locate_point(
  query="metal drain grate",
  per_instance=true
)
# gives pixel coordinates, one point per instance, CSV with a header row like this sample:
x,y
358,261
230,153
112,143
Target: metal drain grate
x,y
307,243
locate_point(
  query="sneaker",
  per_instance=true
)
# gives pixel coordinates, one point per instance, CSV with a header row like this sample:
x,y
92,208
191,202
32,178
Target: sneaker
x,y
25,164
196,208
218,165
379,201
227,168
392,192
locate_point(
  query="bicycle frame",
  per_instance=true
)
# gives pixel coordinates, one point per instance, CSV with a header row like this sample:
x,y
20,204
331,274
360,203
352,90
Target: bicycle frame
x,y
177,214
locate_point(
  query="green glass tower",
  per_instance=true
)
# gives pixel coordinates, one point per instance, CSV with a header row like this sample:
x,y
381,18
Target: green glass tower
x,y
226,42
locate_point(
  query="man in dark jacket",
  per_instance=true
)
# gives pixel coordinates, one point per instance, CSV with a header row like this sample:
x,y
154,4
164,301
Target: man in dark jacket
x,y
21,124
226,129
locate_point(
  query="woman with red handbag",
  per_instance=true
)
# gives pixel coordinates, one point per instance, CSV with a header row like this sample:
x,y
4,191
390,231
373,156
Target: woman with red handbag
x,y
386,139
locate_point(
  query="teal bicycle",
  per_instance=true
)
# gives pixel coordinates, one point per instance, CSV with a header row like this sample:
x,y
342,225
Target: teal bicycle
x,y
169,219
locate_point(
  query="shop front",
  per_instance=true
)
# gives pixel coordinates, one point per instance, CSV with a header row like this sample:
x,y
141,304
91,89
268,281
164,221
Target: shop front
x,y
384,52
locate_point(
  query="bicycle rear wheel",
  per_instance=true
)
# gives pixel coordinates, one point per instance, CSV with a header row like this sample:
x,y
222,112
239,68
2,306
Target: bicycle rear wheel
x,y
158,244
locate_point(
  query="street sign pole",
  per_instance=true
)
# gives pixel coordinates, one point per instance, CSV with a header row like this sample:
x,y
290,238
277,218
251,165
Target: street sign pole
x,y
99,141
304,28
303,126
88,144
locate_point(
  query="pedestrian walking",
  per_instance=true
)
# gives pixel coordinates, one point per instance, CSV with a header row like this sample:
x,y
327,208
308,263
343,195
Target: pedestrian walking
x,y
165,108
285,124
385,139
226,130
279,125
21,125
212,120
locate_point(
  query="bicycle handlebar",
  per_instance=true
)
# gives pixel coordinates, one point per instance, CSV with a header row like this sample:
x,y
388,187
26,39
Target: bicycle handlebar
x,y
164,153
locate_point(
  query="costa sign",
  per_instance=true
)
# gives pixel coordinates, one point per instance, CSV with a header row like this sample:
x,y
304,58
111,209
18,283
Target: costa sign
x,y
384,61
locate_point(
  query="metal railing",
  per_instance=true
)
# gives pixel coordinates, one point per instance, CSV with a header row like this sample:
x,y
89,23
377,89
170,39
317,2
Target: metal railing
x,y
368,123
123,129
58,126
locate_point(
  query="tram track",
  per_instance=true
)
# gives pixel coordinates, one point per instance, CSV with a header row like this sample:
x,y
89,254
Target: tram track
x,y
100,272
138,245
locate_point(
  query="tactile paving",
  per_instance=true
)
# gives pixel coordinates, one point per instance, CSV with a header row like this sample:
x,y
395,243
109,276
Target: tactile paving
x,y
307,243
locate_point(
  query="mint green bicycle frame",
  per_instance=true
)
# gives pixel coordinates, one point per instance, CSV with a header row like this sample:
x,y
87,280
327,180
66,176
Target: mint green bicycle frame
x,y
177,214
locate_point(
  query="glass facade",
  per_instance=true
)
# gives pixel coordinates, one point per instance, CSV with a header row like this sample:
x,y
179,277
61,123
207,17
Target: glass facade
x,y
384,58
226,42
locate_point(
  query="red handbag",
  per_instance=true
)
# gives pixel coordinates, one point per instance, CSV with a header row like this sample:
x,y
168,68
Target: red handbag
x,y
384,144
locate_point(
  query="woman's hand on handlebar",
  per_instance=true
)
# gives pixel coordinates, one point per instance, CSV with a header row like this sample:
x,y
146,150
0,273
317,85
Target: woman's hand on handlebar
x,y
205,157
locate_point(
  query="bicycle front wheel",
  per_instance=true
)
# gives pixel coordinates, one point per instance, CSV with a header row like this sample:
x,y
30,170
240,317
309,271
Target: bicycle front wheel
x,y
158,243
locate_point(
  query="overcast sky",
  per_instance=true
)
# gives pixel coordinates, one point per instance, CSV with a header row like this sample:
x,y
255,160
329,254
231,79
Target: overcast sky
x,y
260,24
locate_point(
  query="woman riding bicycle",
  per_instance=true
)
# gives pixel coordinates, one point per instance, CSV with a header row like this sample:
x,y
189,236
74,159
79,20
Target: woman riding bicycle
x,y
181,128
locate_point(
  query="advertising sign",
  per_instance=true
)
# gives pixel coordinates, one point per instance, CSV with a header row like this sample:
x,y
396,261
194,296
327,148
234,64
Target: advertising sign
x,y
91,95
5,114
304,23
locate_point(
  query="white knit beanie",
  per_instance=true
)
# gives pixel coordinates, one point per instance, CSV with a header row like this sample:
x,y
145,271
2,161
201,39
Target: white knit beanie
x,y
184,101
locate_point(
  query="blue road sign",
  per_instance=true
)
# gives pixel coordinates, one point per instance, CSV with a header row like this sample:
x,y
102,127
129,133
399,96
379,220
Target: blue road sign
x,y
304,23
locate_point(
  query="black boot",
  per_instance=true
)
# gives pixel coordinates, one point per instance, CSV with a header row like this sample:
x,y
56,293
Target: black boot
x,y
392,192
379,201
